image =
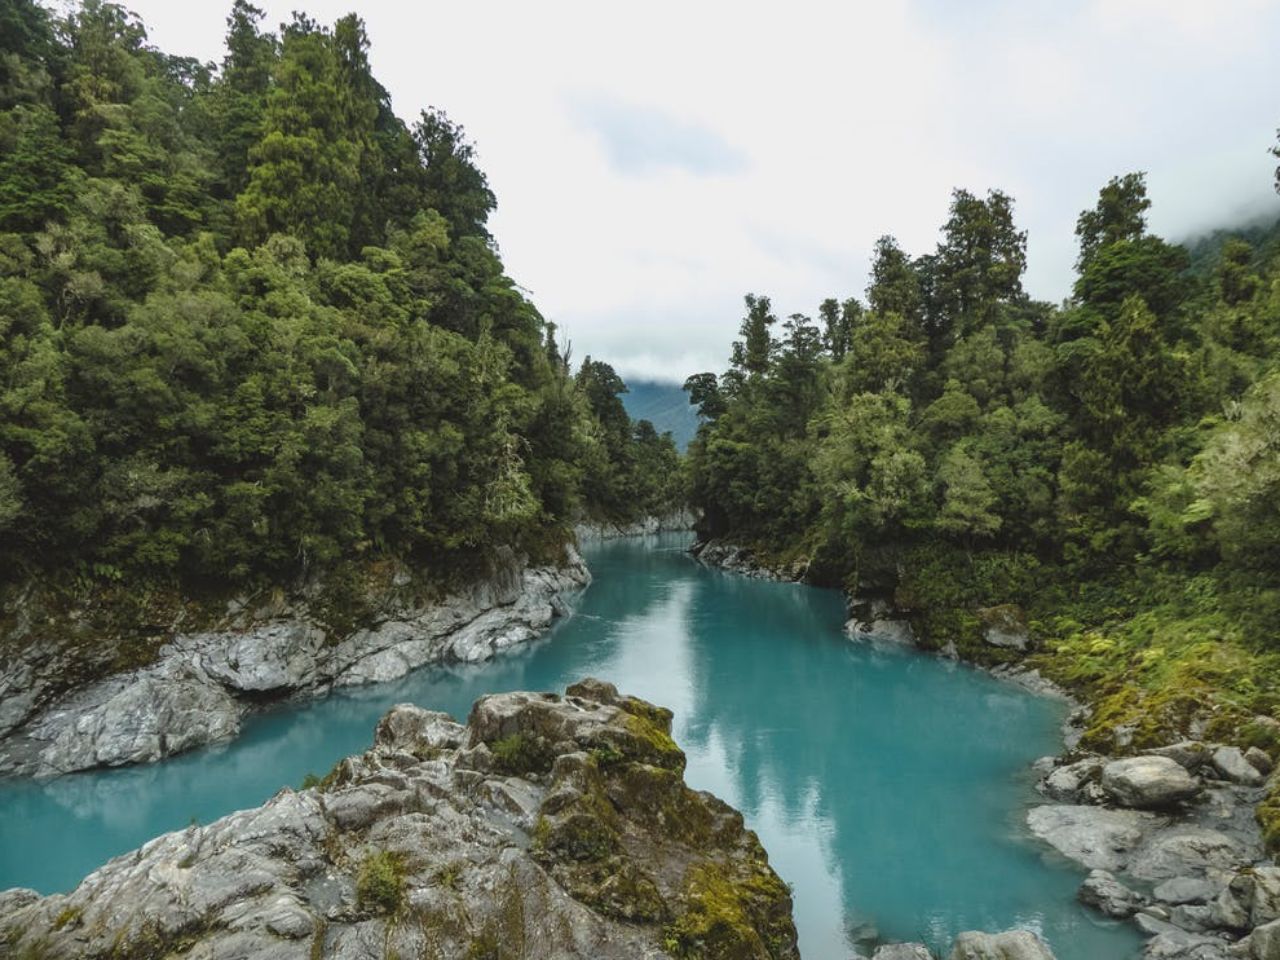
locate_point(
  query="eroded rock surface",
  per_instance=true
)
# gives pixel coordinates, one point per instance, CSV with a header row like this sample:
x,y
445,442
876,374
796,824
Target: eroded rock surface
x,y
202,684
548,826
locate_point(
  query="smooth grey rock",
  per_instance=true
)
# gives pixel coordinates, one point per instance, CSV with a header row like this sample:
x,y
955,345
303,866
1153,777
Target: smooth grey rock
x,y
1197,918
1153,921
1264,942
902,951
1185,851
145,717
283,880
1231,764
1260,759
1094,837
1010,945
1104,892
202,684
1066,783
1180,945
1191,754
1148,782
1185,890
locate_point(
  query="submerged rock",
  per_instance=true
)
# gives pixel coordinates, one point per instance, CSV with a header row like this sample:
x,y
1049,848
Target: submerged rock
x,y
1148,782
548,826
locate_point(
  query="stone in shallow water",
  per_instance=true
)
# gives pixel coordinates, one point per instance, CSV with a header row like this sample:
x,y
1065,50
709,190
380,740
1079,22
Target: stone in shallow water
x,y
1094,837
1010,945
902,951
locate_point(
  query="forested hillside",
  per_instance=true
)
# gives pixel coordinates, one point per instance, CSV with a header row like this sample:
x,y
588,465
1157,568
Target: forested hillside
x,y
252,322
1112,464
665,405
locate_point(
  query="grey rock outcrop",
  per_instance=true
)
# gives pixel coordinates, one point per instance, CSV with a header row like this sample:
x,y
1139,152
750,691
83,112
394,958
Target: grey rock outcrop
x,y
572,836
1104,892
1094,837
1182,890
1010,945
1148,782
202,684
742,561
674,521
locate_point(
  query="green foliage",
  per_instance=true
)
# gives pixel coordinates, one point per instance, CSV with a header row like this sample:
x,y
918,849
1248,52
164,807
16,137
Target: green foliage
x,y
1111,465
252,325
380,885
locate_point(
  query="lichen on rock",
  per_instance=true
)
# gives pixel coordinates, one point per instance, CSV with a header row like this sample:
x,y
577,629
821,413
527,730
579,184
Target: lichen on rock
x,y
548,826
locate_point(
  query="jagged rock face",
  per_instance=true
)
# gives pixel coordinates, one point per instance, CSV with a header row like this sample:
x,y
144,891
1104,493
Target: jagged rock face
x,y
204,683
548,826
674,522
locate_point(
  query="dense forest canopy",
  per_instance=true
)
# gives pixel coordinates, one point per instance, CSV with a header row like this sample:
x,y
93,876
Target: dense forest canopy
x,y
252,322
950,430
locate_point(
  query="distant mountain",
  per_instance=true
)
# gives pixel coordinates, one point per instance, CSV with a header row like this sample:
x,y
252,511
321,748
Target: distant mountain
x,y
665,405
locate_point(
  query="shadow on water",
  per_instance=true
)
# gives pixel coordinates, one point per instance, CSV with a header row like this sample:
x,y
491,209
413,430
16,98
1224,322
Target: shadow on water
x,y
888,788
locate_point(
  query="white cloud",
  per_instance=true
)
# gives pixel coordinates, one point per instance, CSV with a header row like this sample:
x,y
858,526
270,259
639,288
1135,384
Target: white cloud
x,y
653,163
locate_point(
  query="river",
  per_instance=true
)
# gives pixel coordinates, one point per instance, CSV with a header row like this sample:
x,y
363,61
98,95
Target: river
x,y
888,787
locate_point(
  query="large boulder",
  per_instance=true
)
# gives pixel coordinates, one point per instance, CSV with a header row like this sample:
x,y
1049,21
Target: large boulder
x,y
559,826
1148,782
1010,945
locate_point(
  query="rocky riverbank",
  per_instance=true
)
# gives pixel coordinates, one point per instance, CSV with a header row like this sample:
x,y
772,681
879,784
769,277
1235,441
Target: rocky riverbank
x,y
547,826
1170,834
675,521
199,685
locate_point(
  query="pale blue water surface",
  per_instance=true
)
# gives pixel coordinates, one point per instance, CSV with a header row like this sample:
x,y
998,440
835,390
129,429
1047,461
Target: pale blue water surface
x,y
889,788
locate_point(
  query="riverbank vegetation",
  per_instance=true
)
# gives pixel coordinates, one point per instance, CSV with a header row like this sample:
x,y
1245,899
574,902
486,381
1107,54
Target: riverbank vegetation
x,y
253,324
1111,464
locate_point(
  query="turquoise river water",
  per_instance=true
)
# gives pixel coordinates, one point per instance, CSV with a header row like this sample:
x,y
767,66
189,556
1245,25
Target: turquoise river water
x,y
889,788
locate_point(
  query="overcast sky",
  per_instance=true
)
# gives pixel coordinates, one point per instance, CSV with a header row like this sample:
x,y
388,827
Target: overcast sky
x,y
655,162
